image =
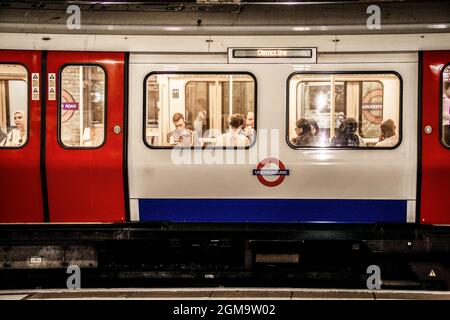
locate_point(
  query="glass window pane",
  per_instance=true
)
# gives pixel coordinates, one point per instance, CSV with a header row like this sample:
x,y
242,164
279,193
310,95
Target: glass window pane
x,y
82,109
13,105
199,110
344,110
446,107
371,112
197,102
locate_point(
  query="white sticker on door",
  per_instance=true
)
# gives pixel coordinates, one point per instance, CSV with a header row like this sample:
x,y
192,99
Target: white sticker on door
x,y
51,86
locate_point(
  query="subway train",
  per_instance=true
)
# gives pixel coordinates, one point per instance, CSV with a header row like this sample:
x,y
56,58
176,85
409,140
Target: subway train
x,y
91,148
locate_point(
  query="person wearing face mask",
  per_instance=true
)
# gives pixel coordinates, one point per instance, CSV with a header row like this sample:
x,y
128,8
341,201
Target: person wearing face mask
x,y
17,136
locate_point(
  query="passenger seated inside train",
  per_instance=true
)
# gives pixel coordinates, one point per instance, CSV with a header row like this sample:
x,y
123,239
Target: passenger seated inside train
x,y
249,129
319,138
346,135
388,137
346,109
182,136
446,113
235,136
18,135
305,135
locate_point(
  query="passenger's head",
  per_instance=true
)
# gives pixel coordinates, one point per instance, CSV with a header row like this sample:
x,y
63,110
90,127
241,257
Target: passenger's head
x,y
349,126
250,119
19,120
447,88
314,127
388,128
302,126
178,121
201,103
236,121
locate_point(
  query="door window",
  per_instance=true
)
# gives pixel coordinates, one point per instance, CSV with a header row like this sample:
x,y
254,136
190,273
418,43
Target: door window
x,y
81,115
445,136
13,106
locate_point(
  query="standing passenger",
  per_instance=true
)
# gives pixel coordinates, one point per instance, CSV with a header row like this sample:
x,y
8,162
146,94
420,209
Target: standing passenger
x,y
200,122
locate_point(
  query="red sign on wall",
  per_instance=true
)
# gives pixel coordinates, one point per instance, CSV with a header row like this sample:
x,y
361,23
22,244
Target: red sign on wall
x,y
69,106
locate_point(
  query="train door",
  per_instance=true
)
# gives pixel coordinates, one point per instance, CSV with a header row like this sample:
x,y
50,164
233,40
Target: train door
x,y
435,128
85,136
20,137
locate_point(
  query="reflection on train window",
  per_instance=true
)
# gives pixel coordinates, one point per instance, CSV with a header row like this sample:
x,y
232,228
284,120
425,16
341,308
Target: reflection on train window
x,y
344,110
82,106
200,110
13,105
446,107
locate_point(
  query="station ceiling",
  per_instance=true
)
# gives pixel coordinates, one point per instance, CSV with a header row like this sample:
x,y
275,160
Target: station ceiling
x,y
225,17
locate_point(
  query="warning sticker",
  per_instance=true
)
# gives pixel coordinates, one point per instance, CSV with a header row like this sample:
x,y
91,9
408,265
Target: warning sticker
x,y
35,86
35,94
51,86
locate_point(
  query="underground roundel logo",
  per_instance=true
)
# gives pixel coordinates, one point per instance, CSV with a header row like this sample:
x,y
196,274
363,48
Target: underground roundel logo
x,y
271,172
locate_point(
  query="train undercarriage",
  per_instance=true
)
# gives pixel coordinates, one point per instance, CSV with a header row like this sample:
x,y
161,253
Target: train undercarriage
x,y
165,255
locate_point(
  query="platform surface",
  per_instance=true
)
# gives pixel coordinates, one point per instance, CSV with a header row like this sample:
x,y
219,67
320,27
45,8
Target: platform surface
x,y
220,294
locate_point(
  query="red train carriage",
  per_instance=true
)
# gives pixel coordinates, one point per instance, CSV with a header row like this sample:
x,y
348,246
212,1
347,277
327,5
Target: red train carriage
x,y
91,173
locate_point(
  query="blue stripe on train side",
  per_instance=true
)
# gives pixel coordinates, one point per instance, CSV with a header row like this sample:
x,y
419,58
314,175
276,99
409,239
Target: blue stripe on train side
x,y
272,210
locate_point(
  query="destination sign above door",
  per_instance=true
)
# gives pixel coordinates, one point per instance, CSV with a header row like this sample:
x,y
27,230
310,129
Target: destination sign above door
x,y
272,55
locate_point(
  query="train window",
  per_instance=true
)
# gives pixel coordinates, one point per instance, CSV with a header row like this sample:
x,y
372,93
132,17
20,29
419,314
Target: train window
x,y
446,107
13,105
200,110
81,115
344,110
